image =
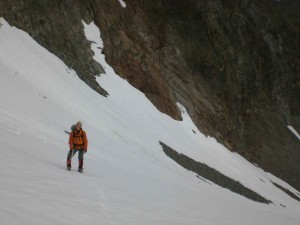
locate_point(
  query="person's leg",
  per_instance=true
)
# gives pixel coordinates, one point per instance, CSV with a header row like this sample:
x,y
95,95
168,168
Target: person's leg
x,y
69,157
80,159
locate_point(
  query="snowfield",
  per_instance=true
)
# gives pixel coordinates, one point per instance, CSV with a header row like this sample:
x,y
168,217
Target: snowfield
x,y
128,179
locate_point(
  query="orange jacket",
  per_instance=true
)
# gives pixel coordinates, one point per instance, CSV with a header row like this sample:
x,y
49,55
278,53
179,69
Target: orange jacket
x,y
78,140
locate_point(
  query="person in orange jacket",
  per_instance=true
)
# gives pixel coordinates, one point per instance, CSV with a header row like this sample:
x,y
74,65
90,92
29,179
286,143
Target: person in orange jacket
x,y
78,143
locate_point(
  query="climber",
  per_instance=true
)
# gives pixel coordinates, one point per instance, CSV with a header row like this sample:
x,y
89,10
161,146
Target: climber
x,y
78,143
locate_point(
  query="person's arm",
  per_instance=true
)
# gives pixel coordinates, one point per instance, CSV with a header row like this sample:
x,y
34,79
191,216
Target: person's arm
x,y
85,142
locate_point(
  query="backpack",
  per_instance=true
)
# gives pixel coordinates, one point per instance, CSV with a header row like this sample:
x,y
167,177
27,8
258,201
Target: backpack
x,y
78,139
73,127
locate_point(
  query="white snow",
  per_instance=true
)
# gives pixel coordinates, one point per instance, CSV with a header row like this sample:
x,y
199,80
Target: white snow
x,y
123,4
128,180
294,131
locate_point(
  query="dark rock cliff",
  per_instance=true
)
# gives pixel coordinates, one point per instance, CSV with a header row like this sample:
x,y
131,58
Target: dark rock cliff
x,y
233,64
56,25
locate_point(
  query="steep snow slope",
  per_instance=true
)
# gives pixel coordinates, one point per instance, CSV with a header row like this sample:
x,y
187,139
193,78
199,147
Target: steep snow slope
x,y
127,178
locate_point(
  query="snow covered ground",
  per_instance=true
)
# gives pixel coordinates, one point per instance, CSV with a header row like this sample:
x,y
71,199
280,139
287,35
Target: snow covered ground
x,y
128,180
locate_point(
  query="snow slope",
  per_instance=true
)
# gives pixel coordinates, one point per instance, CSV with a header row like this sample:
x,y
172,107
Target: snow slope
x,y
128,180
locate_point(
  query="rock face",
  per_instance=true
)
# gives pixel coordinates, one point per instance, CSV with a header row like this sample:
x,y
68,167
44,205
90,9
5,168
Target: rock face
x,y
57,26
292,9
233,64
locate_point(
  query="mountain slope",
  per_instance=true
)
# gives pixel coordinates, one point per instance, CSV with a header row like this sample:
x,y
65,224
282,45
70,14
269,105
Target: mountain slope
x,y
127,179
234,65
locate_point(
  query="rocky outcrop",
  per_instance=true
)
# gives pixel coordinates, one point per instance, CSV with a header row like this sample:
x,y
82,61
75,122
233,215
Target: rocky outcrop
x,y
57,26
129,47
210,174
233,64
